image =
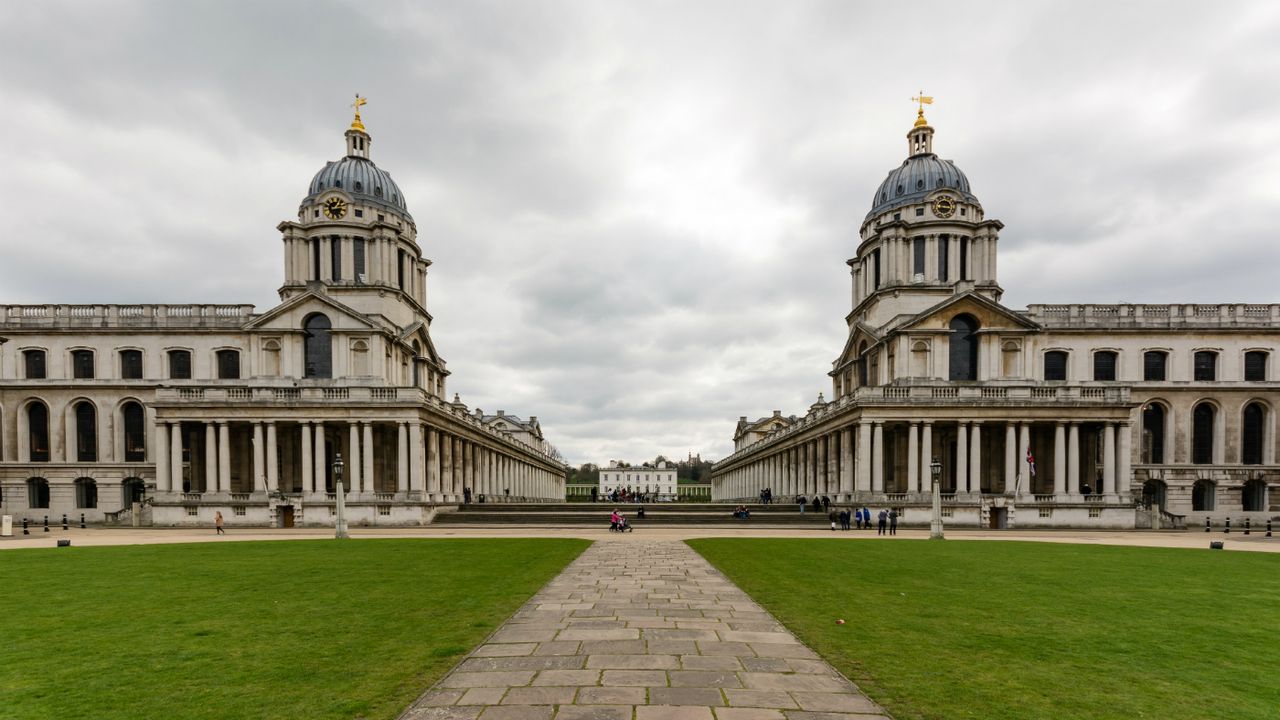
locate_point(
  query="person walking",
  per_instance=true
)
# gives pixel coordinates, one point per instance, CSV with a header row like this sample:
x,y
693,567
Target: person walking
x,y
217,523
832,517
800,499
884,519
595,494
817,504
893,522
866,518
857,516
826,503
466,496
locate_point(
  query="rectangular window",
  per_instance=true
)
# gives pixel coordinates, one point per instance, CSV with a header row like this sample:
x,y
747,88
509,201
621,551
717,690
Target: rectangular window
x,y
82,364
1206,366
1055,365
1255,366
1154,365
34,362
964,259
1095,512
944,256
131,364
1104,366
400,268
357,257
875,263
315,258
179,364
335,256
228,364
917,265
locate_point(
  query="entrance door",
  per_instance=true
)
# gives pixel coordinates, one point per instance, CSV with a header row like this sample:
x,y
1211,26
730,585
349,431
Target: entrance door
x,y
286,516
999,518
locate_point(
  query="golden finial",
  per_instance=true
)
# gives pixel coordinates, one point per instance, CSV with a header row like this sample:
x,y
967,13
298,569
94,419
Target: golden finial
x,y
360,102
923,100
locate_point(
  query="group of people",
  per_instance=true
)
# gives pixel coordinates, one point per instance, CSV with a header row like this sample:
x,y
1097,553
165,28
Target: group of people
x,y
766,496
742,513
820,504
618,521
886,520
626,495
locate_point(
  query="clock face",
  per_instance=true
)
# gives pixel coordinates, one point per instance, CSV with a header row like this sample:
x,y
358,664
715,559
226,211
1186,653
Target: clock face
x,y
335,208
944,207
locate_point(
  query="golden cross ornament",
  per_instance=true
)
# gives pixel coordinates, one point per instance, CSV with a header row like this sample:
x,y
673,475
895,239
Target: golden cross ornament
x,y
923,100
360,102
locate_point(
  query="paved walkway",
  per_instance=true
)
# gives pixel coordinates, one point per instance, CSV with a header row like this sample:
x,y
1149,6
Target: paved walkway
x,y
645,630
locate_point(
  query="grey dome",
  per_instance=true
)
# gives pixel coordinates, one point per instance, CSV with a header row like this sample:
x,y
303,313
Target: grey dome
x,y
361,179
917,177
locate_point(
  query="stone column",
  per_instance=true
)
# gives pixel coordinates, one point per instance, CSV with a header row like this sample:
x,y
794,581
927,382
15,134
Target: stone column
x,y
273,459
402,457
808,460
319,471
355,467
926,457
1060,459
913,458
433,465
1010,457
877,457
1073,459
833,466
459,476
175,455
862,480
820,465
1124,477
210,457
975,459
308,458
415,457
446,467
224,457
366,458
164,479
259,458
962,458
1109,459
1028,481
846,464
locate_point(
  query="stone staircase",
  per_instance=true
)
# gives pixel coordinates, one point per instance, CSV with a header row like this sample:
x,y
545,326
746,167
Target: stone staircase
x,y
656,514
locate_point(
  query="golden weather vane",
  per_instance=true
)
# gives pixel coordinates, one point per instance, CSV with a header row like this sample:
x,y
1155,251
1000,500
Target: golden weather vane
x,y
359,103
922,100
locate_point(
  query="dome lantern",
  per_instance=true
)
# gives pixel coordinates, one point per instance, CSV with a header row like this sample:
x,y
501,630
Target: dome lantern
x,y
358,141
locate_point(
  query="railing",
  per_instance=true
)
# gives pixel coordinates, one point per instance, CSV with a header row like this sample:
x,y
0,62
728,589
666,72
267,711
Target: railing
x,y
1044,498
897,497
124,315
1153,315
384,497
191,497
1094,498
286,393
240,497
336,393
239,393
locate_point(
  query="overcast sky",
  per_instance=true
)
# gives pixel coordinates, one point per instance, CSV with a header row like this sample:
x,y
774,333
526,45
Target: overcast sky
x,y
639,212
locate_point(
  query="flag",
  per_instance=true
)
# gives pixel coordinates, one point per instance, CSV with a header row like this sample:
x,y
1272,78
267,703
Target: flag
x,y
1031,461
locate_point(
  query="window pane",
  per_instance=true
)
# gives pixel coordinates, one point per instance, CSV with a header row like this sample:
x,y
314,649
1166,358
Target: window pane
x,y
1104,366
179,365
131,364
1153,365
1206,366
1255,366
82,364
1202,435
918,254
228,364
35,364
357,255
1055,365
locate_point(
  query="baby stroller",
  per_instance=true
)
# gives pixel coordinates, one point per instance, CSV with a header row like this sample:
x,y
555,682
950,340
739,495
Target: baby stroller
x,y
620,525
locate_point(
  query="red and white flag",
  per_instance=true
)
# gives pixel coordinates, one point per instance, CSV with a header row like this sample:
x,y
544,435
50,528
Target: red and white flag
x,y
1031,461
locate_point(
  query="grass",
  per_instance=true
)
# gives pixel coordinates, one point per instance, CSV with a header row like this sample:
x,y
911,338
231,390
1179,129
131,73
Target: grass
x,y
1022,630
299,629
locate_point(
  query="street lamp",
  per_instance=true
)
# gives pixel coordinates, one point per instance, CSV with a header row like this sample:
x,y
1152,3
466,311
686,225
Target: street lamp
x,y
340,525
935,525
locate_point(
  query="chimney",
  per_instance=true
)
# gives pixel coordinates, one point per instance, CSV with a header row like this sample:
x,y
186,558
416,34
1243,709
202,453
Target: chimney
x,y
501,413
777,413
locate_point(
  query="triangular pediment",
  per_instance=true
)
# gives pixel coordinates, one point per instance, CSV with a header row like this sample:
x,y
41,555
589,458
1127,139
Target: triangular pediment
x,y
990,315
859,333
426,348
289,314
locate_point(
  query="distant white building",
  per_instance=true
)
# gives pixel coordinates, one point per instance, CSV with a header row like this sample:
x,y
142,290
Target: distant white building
x,y
656,479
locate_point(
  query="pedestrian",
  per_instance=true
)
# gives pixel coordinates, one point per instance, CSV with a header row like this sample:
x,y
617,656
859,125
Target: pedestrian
x,y
832,517
866,518
826,503
595,493
893,522
466,496
884,519
217,523
857,516
800,499
817,504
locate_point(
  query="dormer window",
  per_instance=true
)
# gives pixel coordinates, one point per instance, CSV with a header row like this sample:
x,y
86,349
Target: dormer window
x,y
378,191
337,183
899,189
920,184
359,186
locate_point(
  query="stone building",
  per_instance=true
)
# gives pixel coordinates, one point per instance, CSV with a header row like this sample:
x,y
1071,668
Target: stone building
x,y
657,479
197,409
1055,415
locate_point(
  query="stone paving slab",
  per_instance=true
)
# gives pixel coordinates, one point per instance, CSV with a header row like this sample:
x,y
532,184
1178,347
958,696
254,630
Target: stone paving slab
x,y
653,633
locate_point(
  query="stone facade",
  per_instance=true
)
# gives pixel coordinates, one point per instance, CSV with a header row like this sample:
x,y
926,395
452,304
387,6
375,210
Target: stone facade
x,y
656,479
197,409
1056,415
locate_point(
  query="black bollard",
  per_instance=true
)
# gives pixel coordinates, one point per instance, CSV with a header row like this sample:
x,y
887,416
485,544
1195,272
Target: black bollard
x,y
81,521
64,522
46,523
1206,523
1268,527
1247,525
25,531
1226,530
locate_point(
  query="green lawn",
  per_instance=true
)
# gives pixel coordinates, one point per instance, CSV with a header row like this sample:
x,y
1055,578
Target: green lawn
x,y
971,629
299,629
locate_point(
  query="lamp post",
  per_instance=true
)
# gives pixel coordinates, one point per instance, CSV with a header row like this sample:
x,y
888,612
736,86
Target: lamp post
x,y
340,525
935,525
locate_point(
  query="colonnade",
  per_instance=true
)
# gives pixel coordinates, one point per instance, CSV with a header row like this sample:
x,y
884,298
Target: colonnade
x,y
427,463
851,459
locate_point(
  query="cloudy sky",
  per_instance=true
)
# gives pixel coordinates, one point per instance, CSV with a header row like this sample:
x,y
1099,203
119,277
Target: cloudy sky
x,y
639,212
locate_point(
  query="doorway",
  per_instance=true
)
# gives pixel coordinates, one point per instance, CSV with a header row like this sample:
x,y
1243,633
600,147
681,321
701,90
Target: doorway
x,y
999,518
286,516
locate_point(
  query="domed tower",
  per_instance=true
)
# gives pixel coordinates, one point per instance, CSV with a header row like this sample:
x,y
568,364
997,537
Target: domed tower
x,y
925,238
355,239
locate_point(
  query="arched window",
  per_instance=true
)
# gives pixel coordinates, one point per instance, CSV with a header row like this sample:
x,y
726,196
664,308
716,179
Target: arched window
x,y
38,493
38,432
417,352
1153,493
1154,365
134,491
228,364
1104,365
1055,365
1254,496
1202,495
318,347
86,493
1254,427
86,432
1202,434
964,348
1153,421
135,432
862,364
